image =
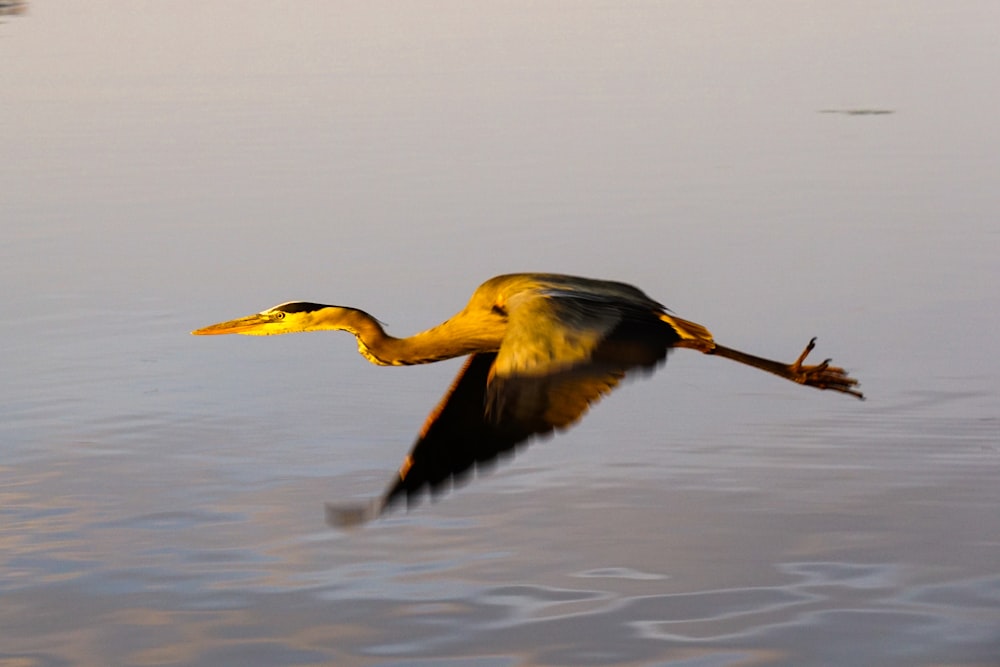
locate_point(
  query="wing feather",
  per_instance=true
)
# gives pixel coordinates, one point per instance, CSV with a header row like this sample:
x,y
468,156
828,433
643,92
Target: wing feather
x,y
456,437
561,353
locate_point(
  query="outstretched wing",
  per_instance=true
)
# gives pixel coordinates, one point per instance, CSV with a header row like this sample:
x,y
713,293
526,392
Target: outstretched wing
x,y
561,353
457,437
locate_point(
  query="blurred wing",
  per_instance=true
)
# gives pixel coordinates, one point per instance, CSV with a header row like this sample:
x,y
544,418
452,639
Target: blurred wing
x,y
562,352
456,437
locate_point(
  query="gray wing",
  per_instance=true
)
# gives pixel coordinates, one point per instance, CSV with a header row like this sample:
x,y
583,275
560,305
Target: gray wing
x,y
563,351
560,354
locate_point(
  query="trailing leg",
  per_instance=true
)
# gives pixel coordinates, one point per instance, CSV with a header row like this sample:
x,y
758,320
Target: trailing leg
x,y
821,375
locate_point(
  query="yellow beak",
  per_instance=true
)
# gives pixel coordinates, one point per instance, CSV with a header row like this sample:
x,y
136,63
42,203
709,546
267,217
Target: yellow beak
x,y
240,325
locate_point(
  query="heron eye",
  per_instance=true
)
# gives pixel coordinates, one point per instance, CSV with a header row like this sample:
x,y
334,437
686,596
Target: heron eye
x,y
279,315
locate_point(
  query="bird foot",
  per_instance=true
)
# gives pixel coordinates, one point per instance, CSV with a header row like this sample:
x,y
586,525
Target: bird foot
x,y
822,375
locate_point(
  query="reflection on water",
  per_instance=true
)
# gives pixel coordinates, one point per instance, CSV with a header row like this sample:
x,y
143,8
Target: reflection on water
x,y
161,497
860,112
902,561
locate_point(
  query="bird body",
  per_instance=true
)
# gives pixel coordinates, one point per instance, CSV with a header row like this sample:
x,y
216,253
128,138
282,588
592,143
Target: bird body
x,y
542,347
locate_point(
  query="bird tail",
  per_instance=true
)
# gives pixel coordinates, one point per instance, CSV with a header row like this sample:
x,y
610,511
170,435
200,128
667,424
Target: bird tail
x,y
692,334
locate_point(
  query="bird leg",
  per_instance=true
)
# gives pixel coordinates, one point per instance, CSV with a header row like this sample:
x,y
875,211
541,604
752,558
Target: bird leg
x,y
821,375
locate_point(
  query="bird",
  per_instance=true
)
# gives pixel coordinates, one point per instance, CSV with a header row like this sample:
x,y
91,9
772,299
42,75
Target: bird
x,y
541,348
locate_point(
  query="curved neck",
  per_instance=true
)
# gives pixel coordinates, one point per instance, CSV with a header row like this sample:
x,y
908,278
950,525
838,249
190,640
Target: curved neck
x,y
449,339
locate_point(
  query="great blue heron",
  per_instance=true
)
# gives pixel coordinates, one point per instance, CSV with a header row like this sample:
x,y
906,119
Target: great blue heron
x,y
543,347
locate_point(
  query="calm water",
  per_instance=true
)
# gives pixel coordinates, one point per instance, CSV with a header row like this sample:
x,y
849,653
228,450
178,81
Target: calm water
x,y
166,165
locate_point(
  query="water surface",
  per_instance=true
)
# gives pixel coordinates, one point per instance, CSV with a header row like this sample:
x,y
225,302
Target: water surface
x,y
168,166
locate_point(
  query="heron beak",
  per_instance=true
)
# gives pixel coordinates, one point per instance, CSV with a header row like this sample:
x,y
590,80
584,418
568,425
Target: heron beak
x,y
242,325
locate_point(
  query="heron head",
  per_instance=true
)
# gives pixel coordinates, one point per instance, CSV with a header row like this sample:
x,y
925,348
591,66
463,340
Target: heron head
x,y
290,317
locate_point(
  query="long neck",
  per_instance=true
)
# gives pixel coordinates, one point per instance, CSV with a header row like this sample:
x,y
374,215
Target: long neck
x,y
449,339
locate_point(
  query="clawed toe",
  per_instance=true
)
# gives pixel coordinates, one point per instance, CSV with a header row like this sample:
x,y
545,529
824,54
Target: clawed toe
x,y
823,375
796,365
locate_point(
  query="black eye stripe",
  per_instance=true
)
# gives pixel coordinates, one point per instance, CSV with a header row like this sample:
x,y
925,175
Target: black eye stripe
x,y
299,307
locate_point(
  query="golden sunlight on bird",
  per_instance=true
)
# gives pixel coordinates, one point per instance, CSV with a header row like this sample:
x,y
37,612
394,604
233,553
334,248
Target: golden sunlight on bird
x,y
542,347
